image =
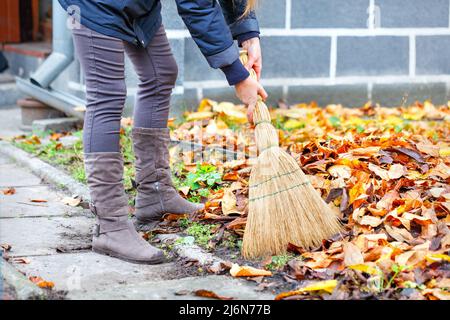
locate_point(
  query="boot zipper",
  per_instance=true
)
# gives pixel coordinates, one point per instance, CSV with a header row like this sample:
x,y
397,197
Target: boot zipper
x,y
159,194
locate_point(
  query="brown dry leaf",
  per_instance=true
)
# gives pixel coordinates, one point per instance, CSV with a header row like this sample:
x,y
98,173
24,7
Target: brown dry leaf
x,y
399,234
383,174
38,200
424,221
410,258
437,192
71,201
247,271
437,293
5,247
365,152
441,170
9,191
229,201
370,221
387,200
210,294
352,254
427,147
340,171
184,190
396,171
237,224
22,260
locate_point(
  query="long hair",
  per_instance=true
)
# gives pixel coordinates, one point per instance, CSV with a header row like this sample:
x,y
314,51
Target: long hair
x,y
251,4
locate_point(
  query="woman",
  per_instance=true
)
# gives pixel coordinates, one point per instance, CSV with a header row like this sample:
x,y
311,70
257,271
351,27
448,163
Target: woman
x,y
108,29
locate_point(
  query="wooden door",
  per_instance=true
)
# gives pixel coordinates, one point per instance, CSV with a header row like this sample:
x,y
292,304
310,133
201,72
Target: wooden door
x,y
9,21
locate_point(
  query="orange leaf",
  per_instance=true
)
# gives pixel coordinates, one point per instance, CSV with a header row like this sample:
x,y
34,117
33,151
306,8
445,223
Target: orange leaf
x,y
210,294
230,176
247,271
9,191
41,282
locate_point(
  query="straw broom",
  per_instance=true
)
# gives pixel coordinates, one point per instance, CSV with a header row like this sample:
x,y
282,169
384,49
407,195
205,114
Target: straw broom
x,y
283,205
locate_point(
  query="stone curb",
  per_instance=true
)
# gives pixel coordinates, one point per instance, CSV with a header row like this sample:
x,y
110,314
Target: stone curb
x,y
191,252
61,179
25,289
44,170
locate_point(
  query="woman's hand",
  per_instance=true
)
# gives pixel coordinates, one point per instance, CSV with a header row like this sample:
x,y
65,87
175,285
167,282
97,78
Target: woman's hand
x,y
247,91
253,48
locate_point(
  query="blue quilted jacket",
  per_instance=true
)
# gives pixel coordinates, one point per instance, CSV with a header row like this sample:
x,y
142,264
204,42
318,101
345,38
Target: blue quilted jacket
x,y
213,26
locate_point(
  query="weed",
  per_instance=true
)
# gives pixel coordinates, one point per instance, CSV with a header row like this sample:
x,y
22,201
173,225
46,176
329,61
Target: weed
x,y
279,262
201,232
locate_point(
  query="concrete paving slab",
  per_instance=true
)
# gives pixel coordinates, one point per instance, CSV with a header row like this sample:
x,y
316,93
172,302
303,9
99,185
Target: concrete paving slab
x,y
20,204
11,175
168,289
89,272
10,122
41,236
4,160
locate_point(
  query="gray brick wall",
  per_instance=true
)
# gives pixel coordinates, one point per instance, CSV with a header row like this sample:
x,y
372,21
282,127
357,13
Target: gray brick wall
x,y
414,13
329,13
384,55
329,51
336,51
432,55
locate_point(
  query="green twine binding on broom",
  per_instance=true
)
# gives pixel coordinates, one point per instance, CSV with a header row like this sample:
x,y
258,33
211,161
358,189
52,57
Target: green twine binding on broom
x,y
280,191
274,177
263,121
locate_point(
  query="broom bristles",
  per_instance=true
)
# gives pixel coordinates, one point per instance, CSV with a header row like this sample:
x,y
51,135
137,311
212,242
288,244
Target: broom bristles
x,y
284,208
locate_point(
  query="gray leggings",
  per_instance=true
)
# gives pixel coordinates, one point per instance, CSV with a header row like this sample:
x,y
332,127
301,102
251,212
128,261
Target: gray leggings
x,y
102,61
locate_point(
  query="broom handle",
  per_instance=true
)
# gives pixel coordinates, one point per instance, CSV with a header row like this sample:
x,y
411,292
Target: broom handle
x,y
261,113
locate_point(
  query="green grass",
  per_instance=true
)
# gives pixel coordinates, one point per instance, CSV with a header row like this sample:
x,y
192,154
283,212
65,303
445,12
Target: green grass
x,y
203,233
54,152
279,262
200,182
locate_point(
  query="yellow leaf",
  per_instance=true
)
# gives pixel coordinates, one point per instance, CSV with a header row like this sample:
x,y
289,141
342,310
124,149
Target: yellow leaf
x,y
327,286
434,257
366,269
293,124
357,190
195,116
206,105
231,112
444,152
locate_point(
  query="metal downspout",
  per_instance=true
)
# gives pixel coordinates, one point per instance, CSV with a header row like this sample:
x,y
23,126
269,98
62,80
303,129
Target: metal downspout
x,y
62,54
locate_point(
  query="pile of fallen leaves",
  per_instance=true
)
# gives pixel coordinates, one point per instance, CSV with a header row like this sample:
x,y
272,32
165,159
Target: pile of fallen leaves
x,y
385,170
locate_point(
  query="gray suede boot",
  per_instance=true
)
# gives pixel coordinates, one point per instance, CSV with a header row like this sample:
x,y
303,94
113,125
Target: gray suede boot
x,y
156,194
114,234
